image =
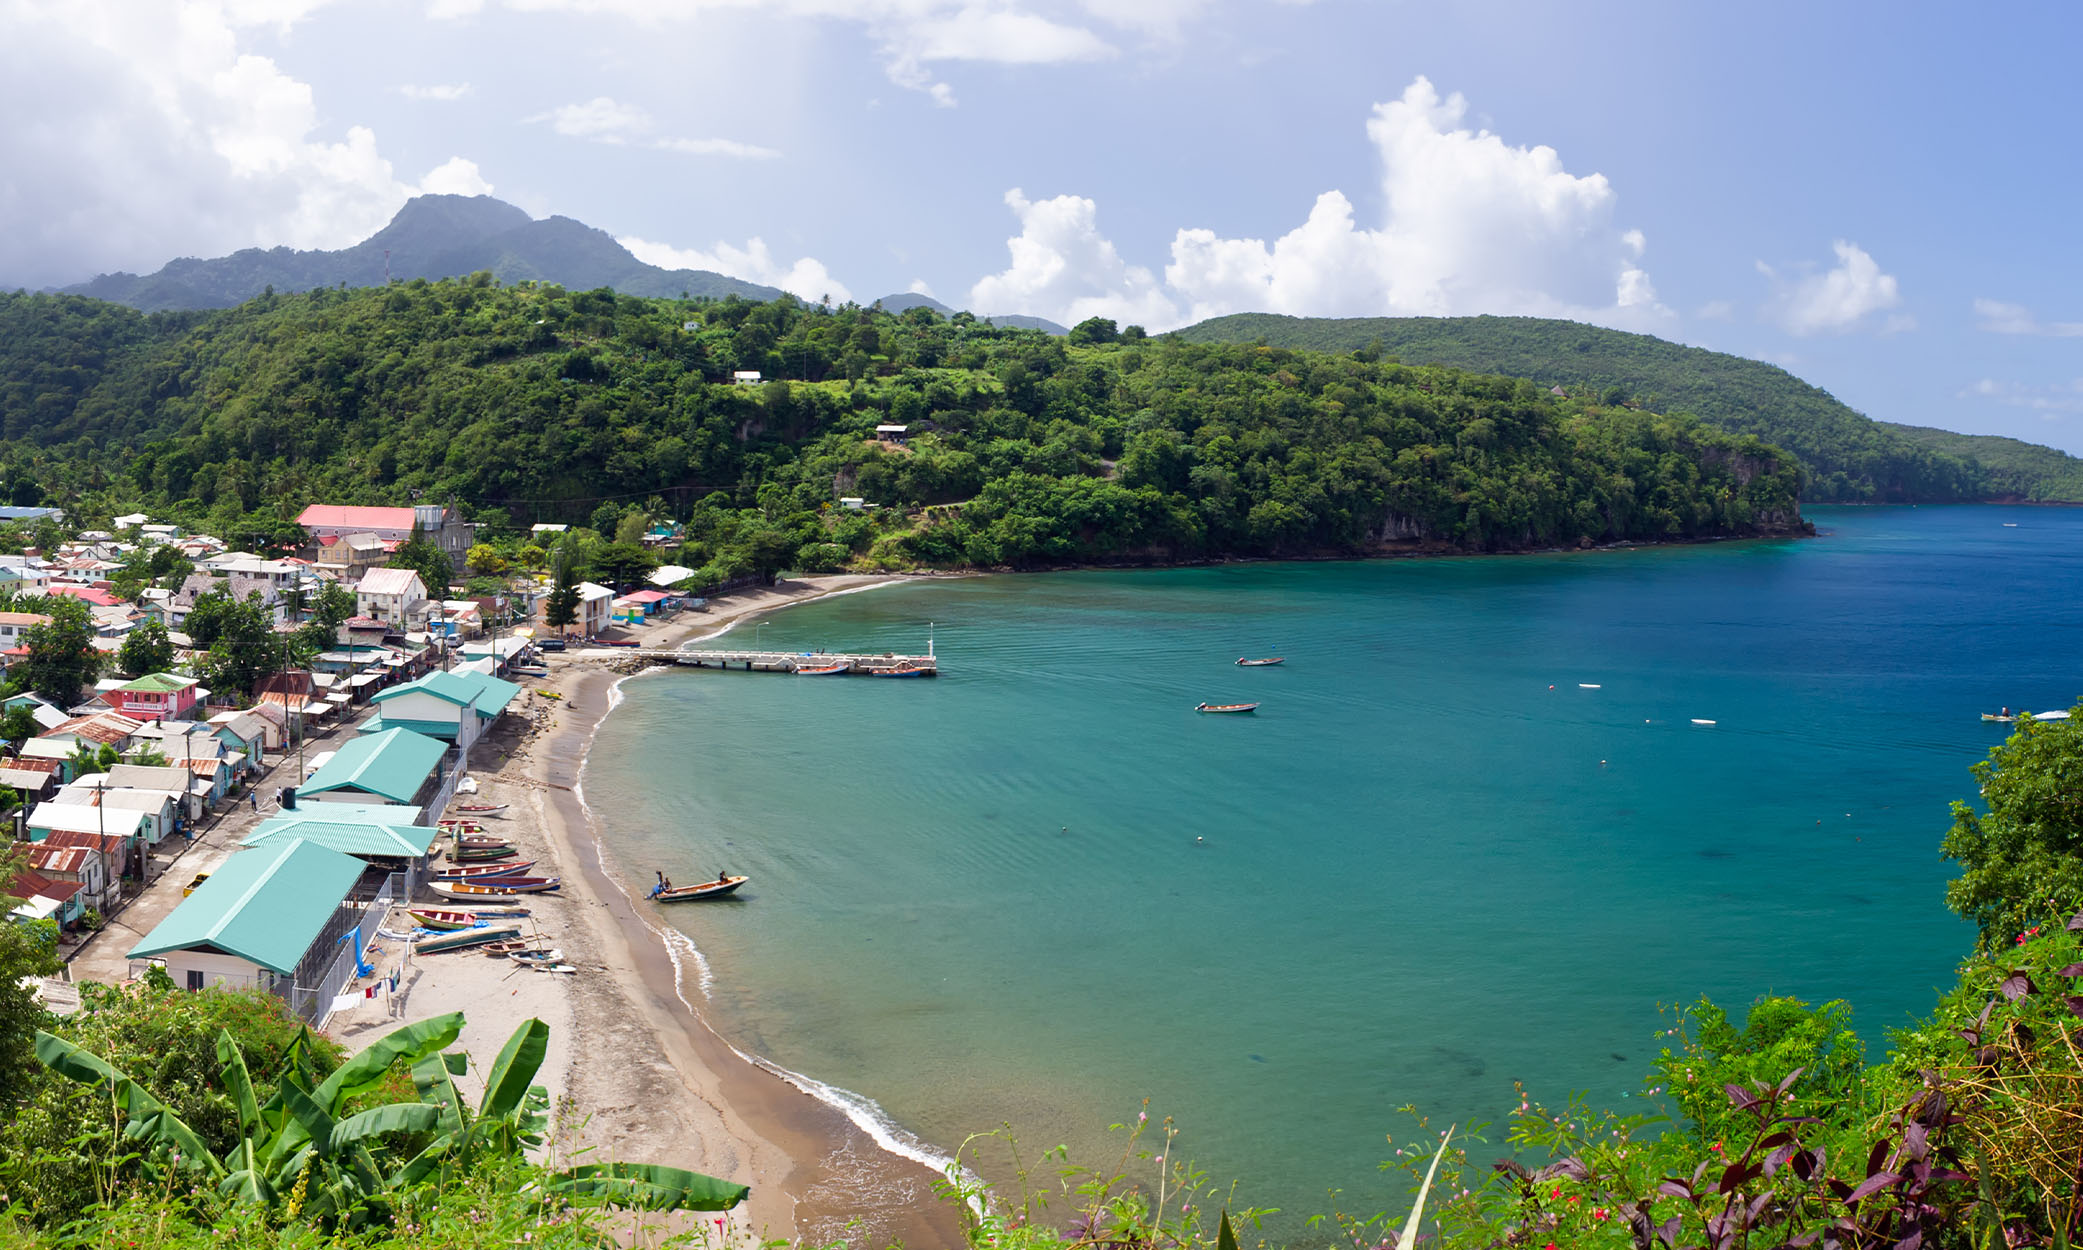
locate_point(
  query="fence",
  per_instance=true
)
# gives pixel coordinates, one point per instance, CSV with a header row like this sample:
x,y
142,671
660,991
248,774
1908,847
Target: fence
x,y
330,962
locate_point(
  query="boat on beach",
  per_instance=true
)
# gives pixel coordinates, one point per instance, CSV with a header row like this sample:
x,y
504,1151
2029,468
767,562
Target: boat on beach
x,y
459,827
473,872
463,939
1268,662
481,809
1225,707
496,887
708,889
442,918
479,854
822,670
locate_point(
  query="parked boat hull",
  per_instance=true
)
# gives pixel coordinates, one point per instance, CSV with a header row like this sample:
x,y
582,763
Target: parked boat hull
x,y
708,889
505,887
476,872
463,939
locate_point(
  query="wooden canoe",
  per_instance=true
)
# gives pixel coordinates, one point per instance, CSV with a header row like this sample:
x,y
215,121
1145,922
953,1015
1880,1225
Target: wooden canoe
x,y
1225,707
497,887
462,939
474,872
1268,662
707,889
442,918
480,854
823,670
481,809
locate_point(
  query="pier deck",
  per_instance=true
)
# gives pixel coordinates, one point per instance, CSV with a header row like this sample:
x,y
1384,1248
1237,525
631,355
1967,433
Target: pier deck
x,y
790,661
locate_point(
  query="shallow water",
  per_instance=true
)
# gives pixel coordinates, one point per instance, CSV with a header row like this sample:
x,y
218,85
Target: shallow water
x,y
1039,888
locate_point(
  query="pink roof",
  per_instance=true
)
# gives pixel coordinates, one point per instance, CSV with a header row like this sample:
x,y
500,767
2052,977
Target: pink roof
x,y
88,593
646,596
345,517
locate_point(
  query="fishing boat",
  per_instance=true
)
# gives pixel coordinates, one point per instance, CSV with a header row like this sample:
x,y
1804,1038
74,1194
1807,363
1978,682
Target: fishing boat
x,y
2001,718
473,872
1225,707
496,887
480,854
823,670
481,809
906,671
462,939
537,956
1268,662
432,918
460,827
707,889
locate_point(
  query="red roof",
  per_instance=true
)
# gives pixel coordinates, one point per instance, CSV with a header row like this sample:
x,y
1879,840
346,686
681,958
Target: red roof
x,y
72,859
100,598
647,596
27,884
344,517
110,842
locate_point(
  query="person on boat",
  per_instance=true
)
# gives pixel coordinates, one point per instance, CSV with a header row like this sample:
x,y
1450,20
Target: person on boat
x,y
2005,712
664,883
722,877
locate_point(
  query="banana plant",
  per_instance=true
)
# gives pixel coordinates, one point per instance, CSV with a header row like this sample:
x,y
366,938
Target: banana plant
x,y
299,1150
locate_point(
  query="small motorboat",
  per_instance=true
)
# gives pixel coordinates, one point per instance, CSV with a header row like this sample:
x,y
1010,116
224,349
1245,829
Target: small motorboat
x,y
431,918
481,809
462,939
690,893
473,872
898,672
496,887
1268,662
1698,721
1225,707
2000,718
823,670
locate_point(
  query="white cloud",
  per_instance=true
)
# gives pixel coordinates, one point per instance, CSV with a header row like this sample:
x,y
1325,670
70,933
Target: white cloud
x,y
1472,225
172,138
456,177
2001,318
918,287
2051,402
603,120
806,278
1716,310
439,92
1835,300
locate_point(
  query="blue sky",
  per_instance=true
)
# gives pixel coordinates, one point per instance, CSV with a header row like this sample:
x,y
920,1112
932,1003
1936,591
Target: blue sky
x,y
1880,198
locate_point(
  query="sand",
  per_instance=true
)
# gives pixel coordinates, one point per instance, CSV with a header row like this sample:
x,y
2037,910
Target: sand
x,y
636,1072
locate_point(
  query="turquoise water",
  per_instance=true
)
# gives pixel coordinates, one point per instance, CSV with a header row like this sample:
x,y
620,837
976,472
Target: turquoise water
x,y
1041,888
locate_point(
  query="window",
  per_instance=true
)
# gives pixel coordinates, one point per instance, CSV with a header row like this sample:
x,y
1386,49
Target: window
x,y
195,979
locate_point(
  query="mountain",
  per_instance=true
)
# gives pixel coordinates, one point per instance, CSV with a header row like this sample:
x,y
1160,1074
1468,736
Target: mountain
x,y
1016,321
1850,457
433,236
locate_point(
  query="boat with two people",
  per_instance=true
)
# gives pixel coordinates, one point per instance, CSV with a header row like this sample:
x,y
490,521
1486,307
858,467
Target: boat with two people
x,y
722,887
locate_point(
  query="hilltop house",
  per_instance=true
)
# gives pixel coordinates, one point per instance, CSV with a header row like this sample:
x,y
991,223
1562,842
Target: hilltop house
x,y
390,595
349,556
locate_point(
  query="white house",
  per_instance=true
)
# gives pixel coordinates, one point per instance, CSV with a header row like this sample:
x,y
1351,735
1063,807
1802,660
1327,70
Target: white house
x,y
390,595
745,377
263,917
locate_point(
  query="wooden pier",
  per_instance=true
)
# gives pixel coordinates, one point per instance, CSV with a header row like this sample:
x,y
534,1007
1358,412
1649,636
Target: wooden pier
x,y
789,661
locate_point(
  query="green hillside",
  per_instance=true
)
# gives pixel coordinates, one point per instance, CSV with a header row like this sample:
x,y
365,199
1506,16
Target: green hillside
x,y
1849,457
2010,467
534,403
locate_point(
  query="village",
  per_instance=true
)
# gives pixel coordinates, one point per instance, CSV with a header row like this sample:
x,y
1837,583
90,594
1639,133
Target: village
x,y
257,837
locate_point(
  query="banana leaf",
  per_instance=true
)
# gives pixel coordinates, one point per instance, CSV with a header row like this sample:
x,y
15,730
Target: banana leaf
x,y
246,1180
506,1088
365,1071
308,1123
649,1186
1417,1213
396,1117
149,1118
434,1078
238,1082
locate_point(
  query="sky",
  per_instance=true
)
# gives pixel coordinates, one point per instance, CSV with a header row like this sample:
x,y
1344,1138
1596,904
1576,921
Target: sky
x,y
1882,198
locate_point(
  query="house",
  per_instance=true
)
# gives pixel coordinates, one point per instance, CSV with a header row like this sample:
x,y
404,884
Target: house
x,y
149,533
546,527
190,794
386,843
14,624
47,717
163,807
156,696
394,766
441,524
266,919
595,606
246,734
439,705
456,619
34,785
745,377
84,867
43,898
390,595
349,556
668,574
131,829
54,752
891,433
110,729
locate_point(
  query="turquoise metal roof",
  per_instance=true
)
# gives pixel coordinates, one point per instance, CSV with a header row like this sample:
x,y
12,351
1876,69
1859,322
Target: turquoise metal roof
x,y
265,906
349,837
493,694
373,813
445,686
431,728
391,764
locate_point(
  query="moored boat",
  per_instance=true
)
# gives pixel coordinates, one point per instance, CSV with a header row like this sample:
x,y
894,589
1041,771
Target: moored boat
x,y
1268,662
481,809
462,939
473,872
707,889
823,670
1225,707
2001,718
496,887
906,671
478,854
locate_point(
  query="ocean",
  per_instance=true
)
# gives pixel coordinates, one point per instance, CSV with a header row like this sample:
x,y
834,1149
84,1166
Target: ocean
x,y
1476,836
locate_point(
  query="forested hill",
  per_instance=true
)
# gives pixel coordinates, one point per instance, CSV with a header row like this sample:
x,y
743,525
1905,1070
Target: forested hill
x,y
1849,457
432,236
534,403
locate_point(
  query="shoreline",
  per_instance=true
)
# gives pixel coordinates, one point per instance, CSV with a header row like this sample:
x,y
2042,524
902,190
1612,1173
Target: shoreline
x,y
631,1048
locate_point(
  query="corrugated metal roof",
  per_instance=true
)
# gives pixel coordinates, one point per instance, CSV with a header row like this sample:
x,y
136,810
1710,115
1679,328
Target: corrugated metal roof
x,y
391,764
349,837
80,818
72,859
445,686
389,582
158,683
493,693
348,516
265,906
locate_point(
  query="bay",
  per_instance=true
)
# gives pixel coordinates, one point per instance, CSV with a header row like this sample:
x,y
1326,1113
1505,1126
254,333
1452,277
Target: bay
x,y
1040,889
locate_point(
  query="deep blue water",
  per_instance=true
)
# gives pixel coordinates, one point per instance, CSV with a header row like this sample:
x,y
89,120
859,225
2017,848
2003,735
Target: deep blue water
x,y
1041,888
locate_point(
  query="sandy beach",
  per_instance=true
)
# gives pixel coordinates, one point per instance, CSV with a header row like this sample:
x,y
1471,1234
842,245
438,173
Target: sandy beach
x,y
637,1072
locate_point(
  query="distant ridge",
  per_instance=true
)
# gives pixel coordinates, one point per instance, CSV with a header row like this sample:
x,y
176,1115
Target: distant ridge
x,y
1849,457
433,236
1019,321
